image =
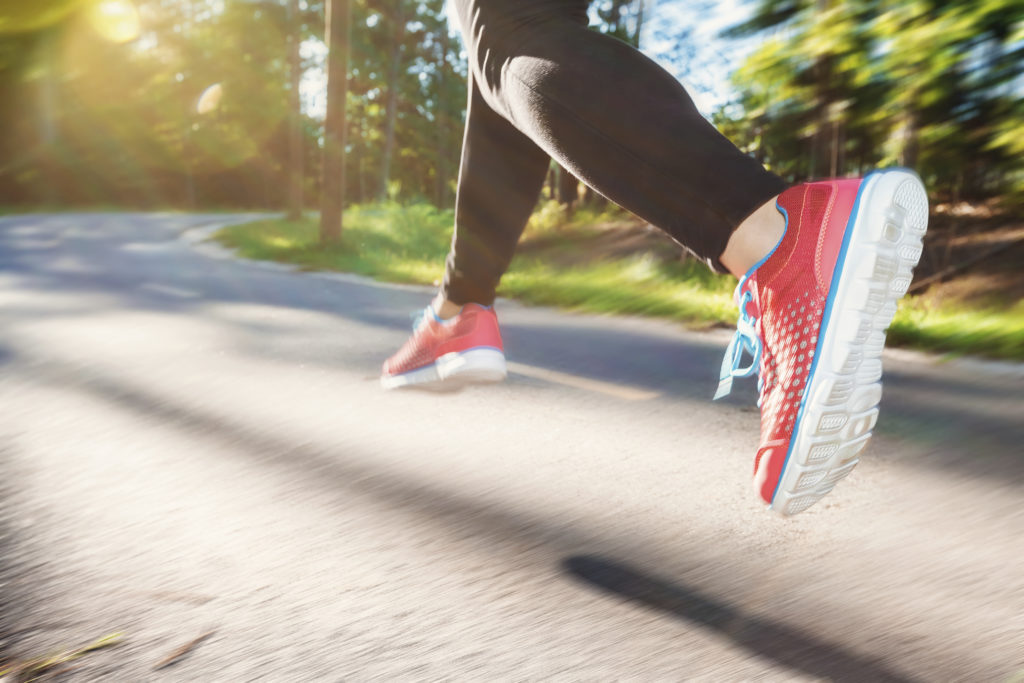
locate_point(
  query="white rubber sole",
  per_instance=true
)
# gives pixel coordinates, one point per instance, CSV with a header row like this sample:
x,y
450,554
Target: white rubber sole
x,y
840,408
453,370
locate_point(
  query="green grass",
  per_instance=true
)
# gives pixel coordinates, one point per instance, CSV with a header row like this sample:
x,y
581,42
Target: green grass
x,y
387,242
641,286
409,243
992,332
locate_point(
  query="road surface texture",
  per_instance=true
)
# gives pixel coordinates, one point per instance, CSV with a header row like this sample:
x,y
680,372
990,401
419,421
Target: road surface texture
x,y
194,443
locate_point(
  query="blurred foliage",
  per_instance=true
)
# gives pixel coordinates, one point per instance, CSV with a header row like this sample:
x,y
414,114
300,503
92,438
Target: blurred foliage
x,y
185,102
839,87
143,103
407,77
408,243
552,216
190,107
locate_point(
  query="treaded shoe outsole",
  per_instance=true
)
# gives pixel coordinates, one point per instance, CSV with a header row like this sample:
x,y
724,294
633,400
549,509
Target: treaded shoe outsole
x,y
883,244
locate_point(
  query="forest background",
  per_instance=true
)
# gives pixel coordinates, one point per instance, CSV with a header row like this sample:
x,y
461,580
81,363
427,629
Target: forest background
x,y
219,104
185,103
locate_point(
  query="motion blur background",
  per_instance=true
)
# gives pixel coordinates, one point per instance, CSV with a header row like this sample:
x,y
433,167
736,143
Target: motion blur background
x,y
185,103
196,459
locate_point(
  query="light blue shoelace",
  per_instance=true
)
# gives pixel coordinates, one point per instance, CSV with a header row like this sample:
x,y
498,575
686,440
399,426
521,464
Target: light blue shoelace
x,y
419,315
427,313
746,340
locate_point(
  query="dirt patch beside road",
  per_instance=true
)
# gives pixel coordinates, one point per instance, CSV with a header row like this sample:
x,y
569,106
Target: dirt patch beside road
x,y
972,253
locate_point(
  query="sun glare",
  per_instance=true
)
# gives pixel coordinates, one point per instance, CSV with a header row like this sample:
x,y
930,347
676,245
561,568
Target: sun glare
x,y
115,20
210,99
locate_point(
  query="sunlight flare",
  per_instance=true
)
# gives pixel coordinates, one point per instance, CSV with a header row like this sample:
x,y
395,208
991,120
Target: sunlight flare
x,y
210,99
115,20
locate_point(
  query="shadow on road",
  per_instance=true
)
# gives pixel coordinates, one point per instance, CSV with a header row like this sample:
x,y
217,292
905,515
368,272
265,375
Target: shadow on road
x,y
772,640
630,353
495,523
951,417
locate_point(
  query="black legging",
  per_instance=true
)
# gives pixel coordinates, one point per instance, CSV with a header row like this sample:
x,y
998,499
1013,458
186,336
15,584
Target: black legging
x,y
541,84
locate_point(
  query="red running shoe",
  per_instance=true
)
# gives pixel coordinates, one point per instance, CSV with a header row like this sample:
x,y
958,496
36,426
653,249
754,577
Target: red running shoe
x,y
449,353
813,314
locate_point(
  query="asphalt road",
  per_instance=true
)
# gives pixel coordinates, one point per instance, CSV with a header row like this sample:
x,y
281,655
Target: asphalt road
x,y
193,443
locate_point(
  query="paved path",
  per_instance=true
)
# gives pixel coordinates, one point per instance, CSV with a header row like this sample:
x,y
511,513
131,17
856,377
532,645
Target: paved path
x,y
194,443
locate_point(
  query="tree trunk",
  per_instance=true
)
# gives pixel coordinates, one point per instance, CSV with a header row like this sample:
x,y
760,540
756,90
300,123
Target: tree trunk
x,y
332,190
639,24
841,142
391,102
47,121
186,144
834,158
441,128
821,158
295,152
594,200
909,146
568,189
186,162
359,149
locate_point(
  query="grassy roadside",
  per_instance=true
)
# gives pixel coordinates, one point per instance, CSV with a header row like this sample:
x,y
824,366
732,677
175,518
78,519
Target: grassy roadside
x,y
409,243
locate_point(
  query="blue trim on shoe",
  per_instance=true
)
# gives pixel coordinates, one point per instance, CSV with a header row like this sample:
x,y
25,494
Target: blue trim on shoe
x,y
785,229
418,316
833,289
438,318
745,340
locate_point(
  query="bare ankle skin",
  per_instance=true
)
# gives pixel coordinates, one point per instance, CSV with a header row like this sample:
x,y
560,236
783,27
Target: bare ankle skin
x,y
443,308
753,239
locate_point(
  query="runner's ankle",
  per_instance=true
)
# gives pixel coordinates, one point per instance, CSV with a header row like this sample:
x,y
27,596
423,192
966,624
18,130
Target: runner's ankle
x,y
443,308
754,239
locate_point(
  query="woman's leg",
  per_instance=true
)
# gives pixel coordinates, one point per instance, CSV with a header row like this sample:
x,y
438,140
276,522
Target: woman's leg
x,y
820,276
500,178
605,112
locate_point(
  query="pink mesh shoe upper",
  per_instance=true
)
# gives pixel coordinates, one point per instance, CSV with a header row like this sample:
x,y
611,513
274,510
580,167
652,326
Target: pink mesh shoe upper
x,y
784,300
474,327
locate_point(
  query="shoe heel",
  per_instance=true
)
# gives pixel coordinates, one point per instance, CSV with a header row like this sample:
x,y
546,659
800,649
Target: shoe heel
x,y
474,366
